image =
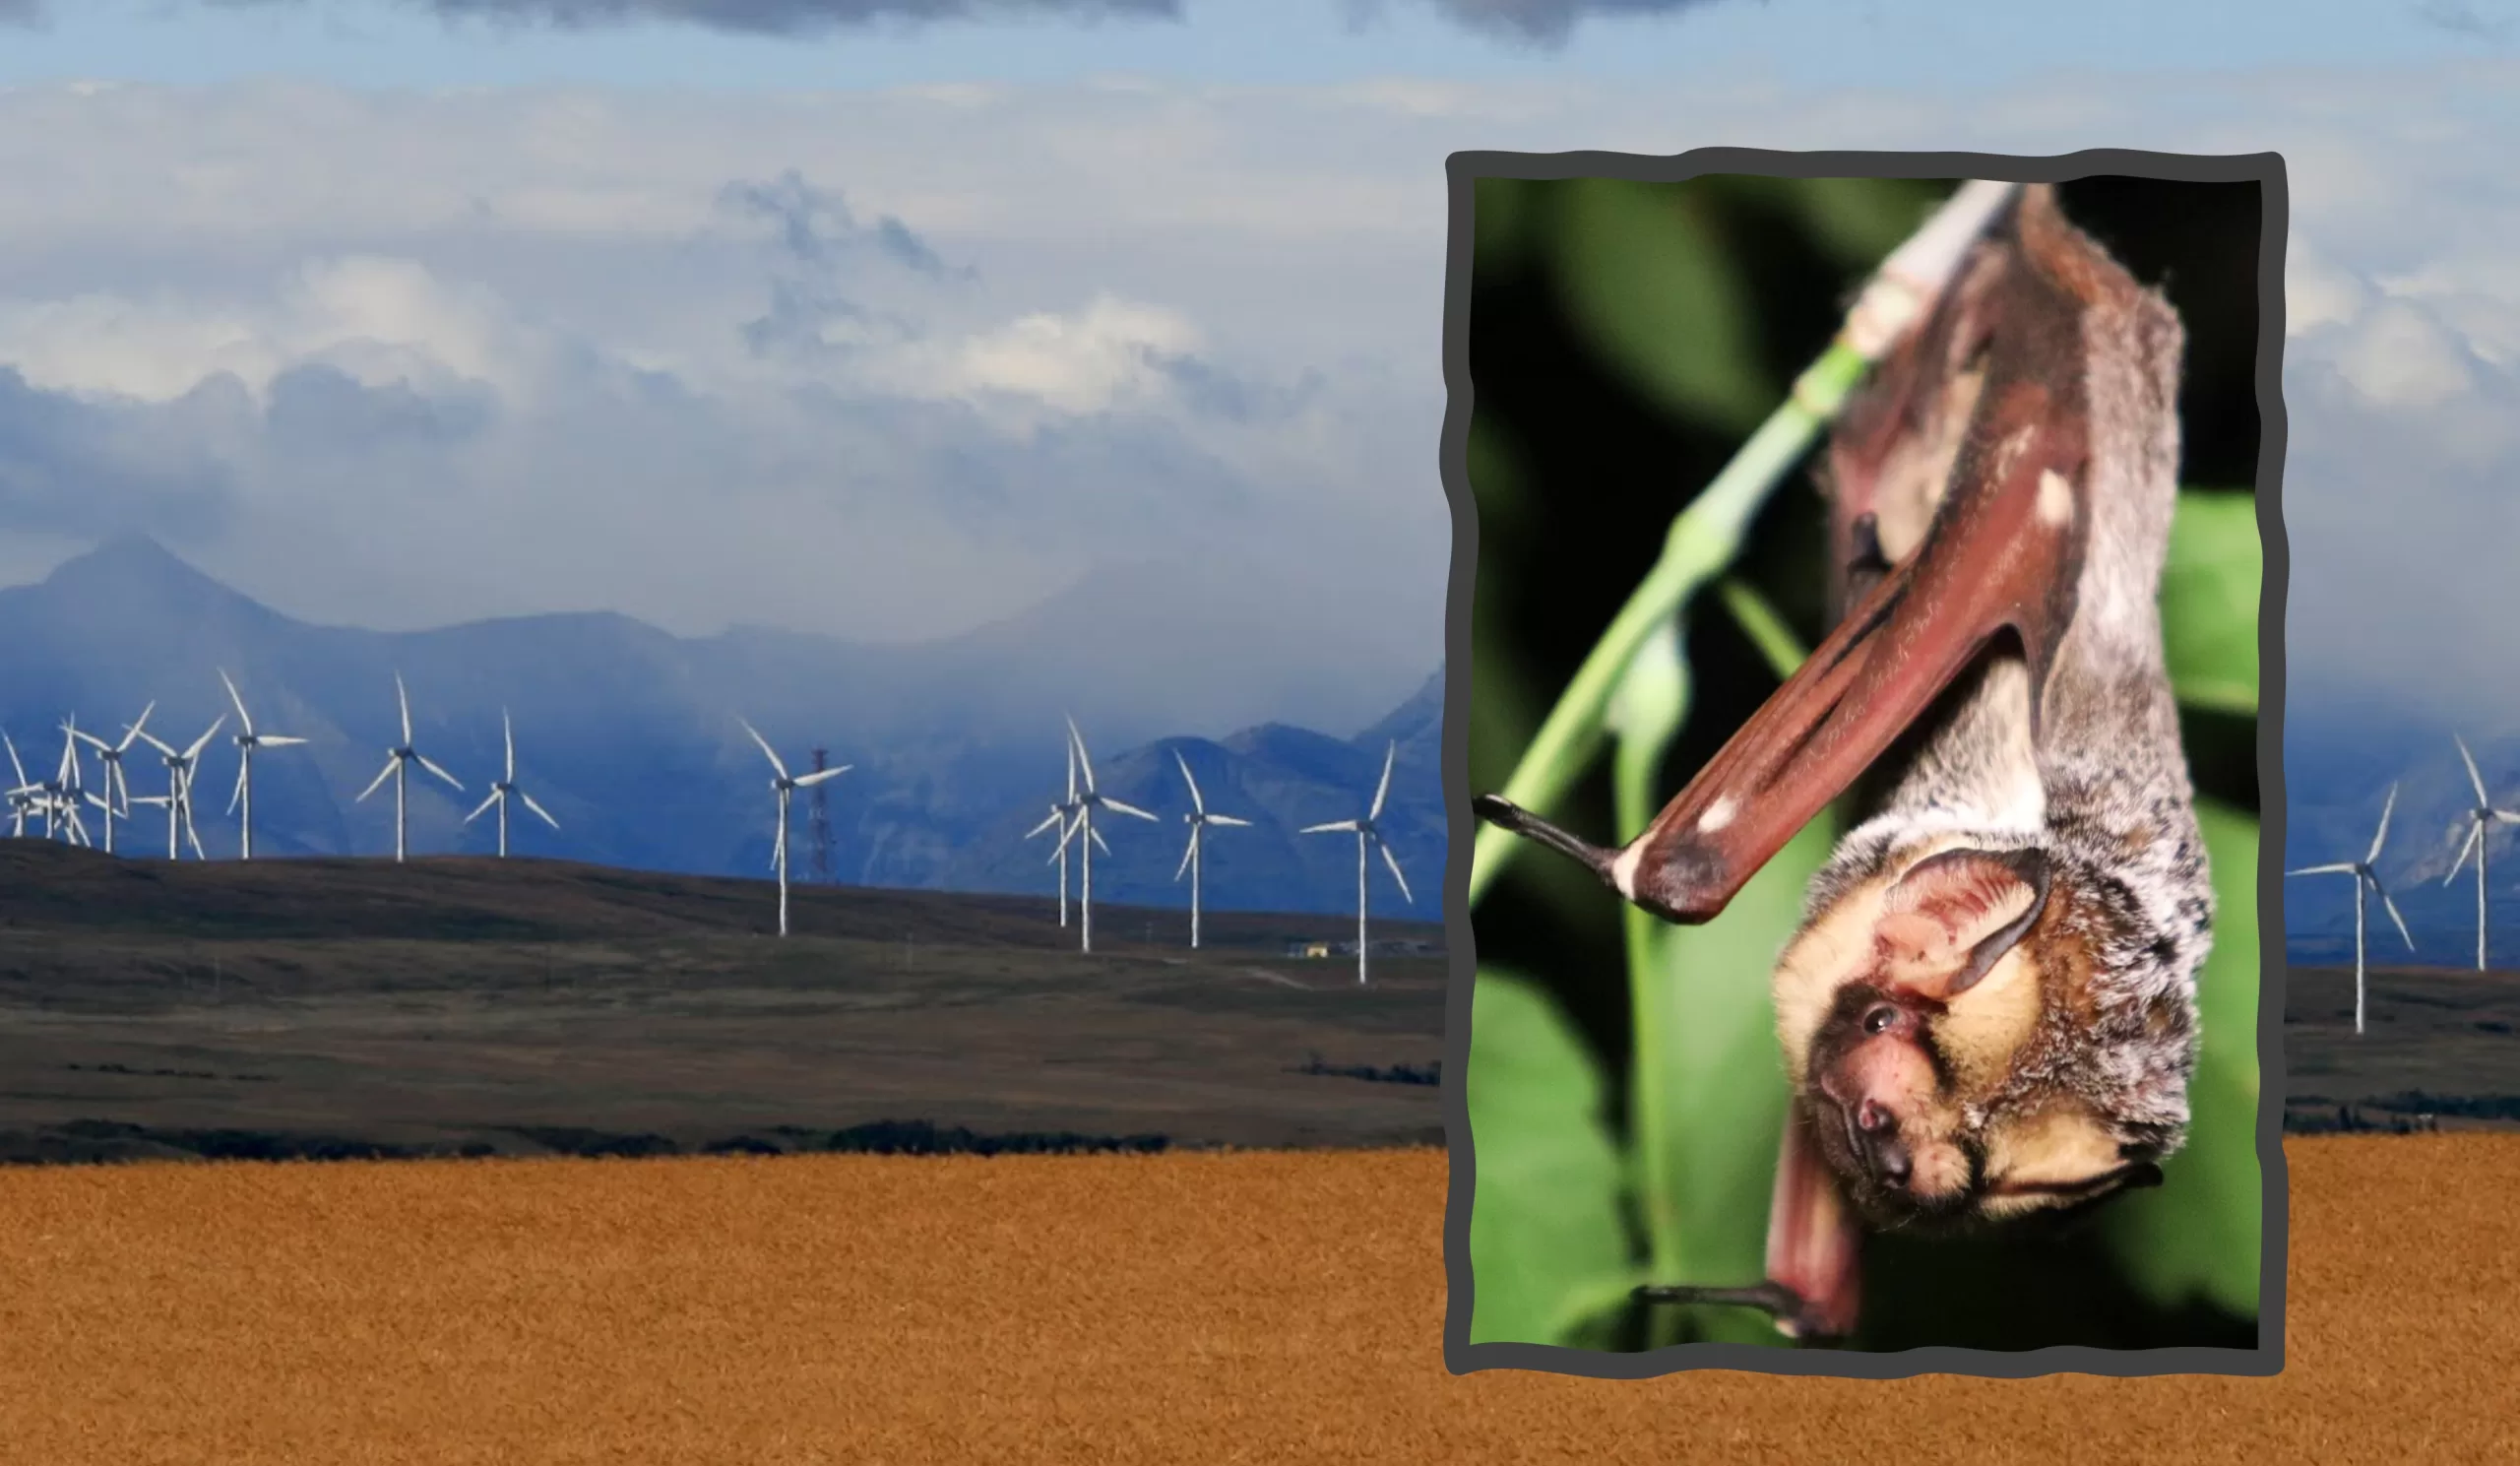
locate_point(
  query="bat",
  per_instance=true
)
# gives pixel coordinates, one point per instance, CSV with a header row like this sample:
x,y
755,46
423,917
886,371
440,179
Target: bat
x,y
1987,1011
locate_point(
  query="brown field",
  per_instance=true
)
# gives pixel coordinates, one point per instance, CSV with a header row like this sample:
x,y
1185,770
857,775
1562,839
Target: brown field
x,y
1201,1307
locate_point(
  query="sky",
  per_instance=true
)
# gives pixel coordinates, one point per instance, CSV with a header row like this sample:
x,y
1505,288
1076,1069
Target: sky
x,y
887,318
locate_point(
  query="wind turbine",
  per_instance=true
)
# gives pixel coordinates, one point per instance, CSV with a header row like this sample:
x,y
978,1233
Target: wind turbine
x,y
246,740
26,798
111,756
1199,819
2478,820
398,761
178,798
1369,833
2363,876
1089,800
785,785
68,789
505,787
1061,812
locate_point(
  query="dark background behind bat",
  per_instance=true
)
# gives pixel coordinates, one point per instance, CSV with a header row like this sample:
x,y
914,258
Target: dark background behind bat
x,y
1597,416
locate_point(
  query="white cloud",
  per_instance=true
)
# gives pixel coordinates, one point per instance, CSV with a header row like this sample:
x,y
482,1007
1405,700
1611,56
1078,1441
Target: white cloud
x,y
2399,355
1103,356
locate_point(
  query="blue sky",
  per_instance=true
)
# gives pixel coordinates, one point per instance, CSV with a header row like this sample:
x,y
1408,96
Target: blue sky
x,y
889,333
1802,42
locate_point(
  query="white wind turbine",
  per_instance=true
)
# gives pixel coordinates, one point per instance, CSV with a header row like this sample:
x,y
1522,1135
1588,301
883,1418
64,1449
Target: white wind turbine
x,y
117,786
785,785
2363,876
68,789
1199,819
507,786
1061,812
178,799
2479,821
398,761
1087,801
25,796
1369,833
246,740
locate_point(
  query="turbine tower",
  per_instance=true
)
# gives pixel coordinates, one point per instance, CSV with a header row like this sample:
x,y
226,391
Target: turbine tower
x,y
178,799
1088,801
507,786
1368,833
818,824
2363,876
2480,819
246,740
786,786
1061,812
398,761
68,789
117,786
1199,819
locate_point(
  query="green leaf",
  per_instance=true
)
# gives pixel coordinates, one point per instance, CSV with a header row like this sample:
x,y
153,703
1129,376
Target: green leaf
x,y
1654,289
1548,1239
2209,600
1719,1082
2201,1232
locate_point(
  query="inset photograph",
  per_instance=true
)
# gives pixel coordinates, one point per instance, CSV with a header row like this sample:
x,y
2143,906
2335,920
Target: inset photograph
x,y
1862,732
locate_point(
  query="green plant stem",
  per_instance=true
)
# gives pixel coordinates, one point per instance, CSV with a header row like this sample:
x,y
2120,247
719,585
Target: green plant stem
x,y
1701,545
1760,623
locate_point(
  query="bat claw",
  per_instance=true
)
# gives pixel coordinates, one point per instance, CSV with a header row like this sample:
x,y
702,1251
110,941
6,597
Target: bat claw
x,y
1795,1317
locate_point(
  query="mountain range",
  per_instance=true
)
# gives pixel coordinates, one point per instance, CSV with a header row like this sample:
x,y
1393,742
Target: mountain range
x,y
628,735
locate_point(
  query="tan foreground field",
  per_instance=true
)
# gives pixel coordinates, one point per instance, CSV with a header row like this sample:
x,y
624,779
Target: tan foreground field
x,y
1176,1309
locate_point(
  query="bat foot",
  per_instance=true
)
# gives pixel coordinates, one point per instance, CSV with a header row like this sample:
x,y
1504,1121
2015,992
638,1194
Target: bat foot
x,y
1505,814
1795,1317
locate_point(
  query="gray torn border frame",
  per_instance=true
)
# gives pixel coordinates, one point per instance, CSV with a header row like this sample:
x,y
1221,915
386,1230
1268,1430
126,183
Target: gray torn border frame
x,y
2267,170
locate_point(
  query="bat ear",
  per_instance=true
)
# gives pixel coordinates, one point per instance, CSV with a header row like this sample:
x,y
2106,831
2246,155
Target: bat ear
x,y
1954,915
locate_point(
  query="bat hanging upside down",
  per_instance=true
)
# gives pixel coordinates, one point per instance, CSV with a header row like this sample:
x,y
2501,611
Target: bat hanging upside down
x,y
1989,1010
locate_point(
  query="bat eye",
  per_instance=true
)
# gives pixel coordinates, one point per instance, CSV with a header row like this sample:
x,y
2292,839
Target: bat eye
x,y
1880,1017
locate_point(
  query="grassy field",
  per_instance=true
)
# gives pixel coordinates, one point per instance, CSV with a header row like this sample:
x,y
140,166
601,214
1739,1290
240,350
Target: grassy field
x,y
1213,1308
453,1005
2437,1041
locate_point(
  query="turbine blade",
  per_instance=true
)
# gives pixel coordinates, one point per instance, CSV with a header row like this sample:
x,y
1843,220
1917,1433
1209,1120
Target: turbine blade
x,y
244,761
1126,808
2382,837
506,732
808,780
201,742
1096,836
1225,819
2341,868
134,731
1084,759
1383,789
381,776
441,773
1046,824
1188,852
404,699
1197,804
244,720
14,762
485,807
276,740
84,736
766,748
1393,861
2473,830
2393,915
1345,825
537,809
2474,776
152,741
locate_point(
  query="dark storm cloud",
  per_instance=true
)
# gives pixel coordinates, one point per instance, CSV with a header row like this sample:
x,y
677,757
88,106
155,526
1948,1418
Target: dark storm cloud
x,y
1539,21
798,18
75,467
817,233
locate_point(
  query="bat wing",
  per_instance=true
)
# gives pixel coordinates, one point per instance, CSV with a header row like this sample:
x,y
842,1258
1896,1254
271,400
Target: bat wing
x,y
2002,554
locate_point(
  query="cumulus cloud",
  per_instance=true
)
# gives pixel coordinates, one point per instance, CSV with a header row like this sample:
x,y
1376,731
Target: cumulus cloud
x,y
72,466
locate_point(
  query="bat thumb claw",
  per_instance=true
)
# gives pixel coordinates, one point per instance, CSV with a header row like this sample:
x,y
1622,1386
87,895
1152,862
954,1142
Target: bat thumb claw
x,y
1505,814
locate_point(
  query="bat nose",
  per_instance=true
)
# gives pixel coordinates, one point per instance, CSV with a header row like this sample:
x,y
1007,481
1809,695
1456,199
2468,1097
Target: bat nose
x,y
1877,1141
